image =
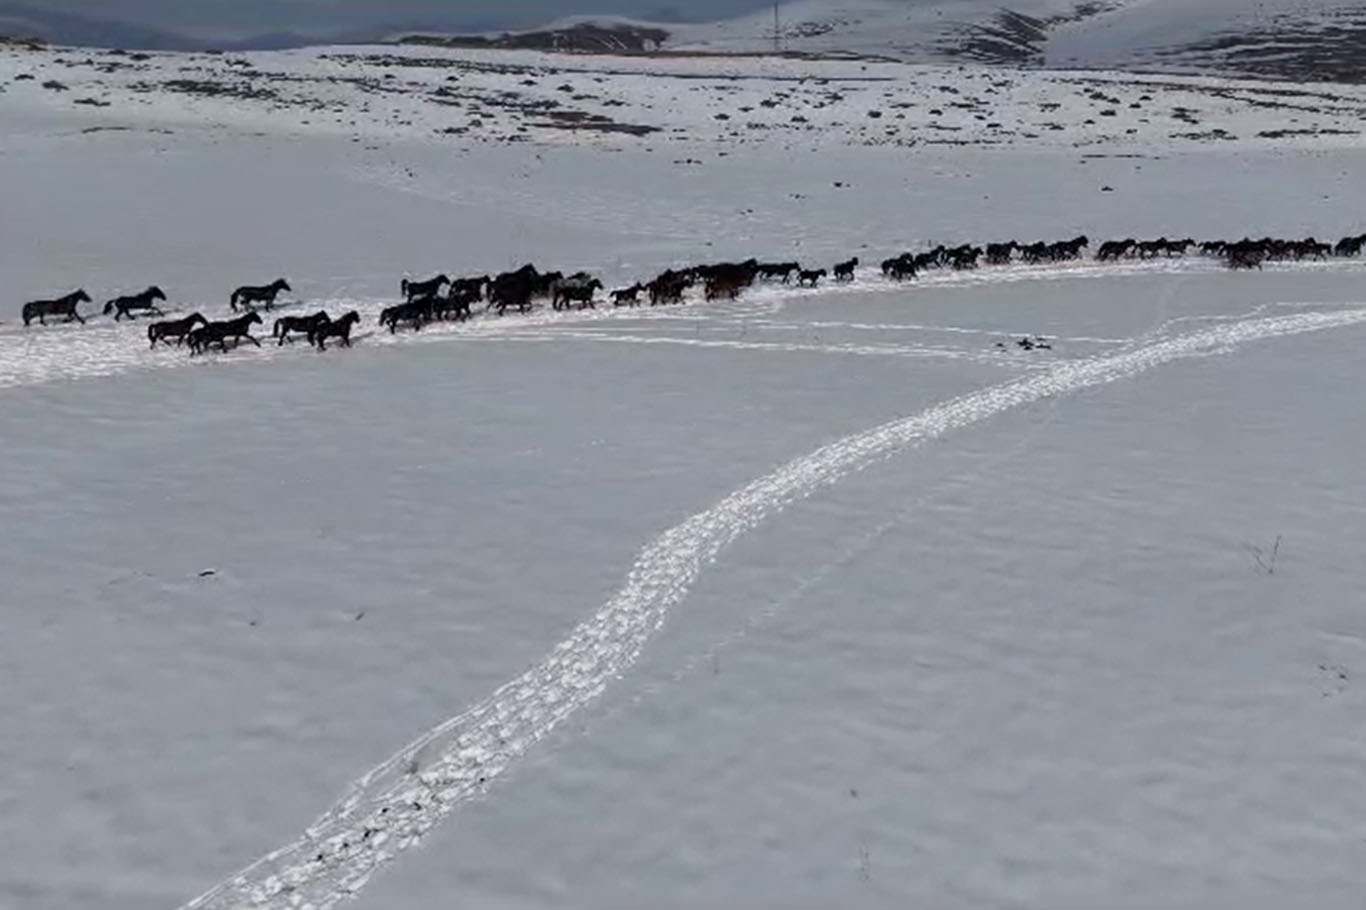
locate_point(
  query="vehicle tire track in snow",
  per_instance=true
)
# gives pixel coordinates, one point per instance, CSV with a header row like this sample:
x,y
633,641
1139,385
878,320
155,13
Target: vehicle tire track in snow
x,y
395,804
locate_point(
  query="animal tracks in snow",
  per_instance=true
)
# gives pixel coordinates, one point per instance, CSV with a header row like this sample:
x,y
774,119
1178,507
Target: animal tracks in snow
x,y
394,805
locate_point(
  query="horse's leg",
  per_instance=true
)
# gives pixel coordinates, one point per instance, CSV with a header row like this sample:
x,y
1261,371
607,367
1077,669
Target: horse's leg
x,y
251,338
78,317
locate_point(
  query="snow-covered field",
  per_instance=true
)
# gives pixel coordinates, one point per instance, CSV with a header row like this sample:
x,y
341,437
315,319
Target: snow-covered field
x,y
803,599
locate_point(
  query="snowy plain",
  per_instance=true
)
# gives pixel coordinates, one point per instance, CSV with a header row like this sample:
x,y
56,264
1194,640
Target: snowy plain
x,y
984,627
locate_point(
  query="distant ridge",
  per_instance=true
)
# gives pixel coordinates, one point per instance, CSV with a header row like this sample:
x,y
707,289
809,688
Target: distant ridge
x,y
1283,39
578,37
24,21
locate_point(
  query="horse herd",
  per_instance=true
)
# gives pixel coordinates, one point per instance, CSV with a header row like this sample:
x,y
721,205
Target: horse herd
x,y
444,298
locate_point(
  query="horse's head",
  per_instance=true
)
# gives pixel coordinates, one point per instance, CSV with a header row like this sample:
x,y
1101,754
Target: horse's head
x,y
351,318
81,295
156,293
595,284
109,308
281,285
197,317
253,317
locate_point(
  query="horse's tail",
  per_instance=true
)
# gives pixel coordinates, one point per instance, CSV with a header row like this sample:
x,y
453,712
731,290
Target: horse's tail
x,y
275,333
403,287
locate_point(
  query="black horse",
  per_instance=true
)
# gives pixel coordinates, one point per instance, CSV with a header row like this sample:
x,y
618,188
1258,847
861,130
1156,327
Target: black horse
x,y
627,296
174,328
899,268
265,295
844,271
473,288
575,290
810,277
780,270
335,328
457,304
416,313
62,306
124,306
304,324
414,290
219,333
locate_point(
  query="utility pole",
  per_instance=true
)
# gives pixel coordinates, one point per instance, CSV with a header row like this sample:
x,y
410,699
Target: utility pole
x,y
777,34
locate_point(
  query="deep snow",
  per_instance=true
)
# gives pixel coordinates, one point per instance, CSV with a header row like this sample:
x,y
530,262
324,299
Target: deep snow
x,y
1032,660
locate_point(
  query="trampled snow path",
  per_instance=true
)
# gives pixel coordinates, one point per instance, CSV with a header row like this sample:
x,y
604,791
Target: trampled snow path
x,y
392,806
105,348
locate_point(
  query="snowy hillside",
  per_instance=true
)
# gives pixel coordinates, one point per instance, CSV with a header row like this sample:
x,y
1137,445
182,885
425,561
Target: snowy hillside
x,y
818,596
1294,39
894,29
1314,40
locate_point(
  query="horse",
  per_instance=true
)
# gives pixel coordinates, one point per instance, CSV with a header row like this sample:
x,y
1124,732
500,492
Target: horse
x,y
174,328
249,295
810,277
1114,249
219,333
1249,256
965,256
1349,246
668,287
899,268
514,289
781,270
62,306
304,324
124,306
726,285
416,313
627,296
844,271
577,289
1000,253
412,290
334,328
473,288
456,304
